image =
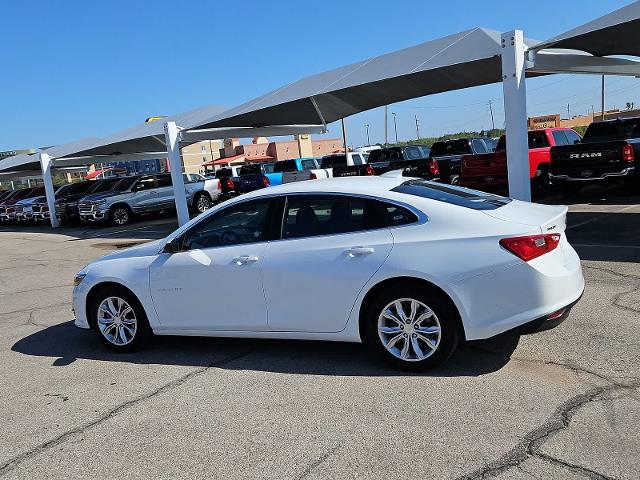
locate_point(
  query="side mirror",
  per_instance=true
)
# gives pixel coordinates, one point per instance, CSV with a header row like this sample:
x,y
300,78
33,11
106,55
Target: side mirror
x,y
174,246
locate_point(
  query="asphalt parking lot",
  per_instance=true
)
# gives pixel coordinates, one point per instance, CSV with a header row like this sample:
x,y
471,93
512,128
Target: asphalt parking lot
x,y
561,403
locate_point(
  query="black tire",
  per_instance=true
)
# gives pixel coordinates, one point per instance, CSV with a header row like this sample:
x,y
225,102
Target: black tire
x,y
444,314
120,215
202,202
141,332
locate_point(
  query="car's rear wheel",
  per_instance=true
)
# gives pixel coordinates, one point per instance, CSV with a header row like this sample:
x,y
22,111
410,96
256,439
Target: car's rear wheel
x,y
412,327
202,202
120,215
119,319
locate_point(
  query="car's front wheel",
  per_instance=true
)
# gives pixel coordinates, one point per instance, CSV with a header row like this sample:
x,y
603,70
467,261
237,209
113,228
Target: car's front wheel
x,y
120,215
412,327
119,319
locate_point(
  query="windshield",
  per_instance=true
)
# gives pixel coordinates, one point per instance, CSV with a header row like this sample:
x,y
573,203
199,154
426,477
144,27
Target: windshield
x,y
462,197
103,185
610,131
125,184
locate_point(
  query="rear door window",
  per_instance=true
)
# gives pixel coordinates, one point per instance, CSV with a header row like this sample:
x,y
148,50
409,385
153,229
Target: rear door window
x,y
165,180
308,164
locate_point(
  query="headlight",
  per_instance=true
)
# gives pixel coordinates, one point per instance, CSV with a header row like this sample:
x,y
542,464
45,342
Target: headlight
x,y
77,280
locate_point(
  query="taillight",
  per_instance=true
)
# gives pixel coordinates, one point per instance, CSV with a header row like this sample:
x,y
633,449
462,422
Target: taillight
x,y
313,176
369,171
532,246
265,181
627,153
433,168
230,184
219,185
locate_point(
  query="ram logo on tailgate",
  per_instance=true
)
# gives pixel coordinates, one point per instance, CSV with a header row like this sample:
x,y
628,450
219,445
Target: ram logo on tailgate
x,y
585,155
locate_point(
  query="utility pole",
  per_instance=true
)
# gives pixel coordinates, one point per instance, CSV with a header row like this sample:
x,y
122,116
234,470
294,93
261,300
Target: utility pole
x,y
602,97
417,128
395,125
493,123
568,112
386,133
368,141
344,136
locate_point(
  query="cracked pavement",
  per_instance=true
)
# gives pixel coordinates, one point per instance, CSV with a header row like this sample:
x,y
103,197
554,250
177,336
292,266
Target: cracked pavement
x,y
561,403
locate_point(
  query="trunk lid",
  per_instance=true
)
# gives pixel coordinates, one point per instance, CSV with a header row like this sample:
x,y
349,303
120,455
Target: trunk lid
x,y
548,218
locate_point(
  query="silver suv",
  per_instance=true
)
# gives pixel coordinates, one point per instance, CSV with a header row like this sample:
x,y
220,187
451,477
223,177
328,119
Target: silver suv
x,y
143,194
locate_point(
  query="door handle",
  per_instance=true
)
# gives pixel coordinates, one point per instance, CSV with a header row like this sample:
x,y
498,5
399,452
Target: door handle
x,y
244,259
359,251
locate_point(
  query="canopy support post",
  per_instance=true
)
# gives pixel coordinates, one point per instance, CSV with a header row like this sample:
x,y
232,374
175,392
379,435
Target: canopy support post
x,y
172,137
515,114
45,164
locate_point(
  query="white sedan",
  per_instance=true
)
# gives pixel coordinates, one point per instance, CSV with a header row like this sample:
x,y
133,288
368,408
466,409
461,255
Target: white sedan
x,y
408,266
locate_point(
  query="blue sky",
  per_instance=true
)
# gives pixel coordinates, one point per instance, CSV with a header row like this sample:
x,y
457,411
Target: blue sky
x,y
73,69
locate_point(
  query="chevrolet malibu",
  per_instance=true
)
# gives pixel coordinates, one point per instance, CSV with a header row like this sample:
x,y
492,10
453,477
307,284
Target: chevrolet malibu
x,y
408,266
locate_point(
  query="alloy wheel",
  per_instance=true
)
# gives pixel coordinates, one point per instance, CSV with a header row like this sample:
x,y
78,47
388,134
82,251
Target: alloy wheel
x,y
121,216
409,330
117,321
203,203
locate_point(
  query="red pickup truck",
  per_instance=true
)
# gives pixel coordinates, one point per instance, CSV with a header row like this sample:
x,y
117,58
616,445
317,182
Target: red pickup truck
x,y
488,171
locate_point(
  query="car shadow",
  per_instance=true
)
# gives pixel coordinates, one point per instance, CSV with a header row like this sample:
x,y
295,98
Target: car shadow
x,y
65,344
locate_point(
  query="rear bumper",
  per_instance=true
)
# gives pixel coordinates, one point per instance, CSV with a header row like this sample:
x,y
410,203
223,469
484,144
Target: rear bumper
x,y
627,172
520,294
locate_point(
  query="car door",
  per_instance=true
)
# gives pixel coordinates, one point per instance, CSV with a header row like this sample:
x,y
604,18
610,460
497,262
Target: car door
x,y
214,281
331,246
145,194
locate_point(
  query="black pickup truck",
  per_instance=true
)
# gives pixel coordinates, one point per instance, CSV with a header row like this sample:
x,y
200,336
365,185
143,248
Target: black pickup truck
x,y
609,152
447,155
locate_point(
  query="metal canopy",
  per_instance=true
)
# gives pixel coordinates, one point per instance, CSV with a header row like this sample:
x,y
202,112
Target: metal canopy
x,y
32,161
462,60
146,137
617,33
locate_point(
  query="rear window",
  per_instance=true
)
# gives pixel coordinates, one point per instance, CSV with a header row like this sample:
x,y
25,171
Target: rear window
x,y
536,139
454,195
451,147
250,170
616,130
224,173
385,155
333,161
285,166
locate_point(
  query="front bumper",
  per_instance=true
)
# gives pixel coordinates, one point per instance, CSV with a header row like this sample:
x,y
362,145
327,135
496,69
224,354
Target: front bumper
x,y
94,213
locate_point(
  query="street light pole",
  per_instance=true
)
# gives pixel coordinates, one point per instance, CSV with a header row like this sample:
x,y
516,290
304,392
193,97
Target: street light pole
x,y
395,125
386,134
368,141
417,128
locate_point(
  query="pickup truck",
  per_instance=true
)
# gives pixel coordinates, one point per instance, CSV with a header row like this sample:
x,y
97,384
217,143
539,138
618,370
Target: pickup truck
x,y
67,201
30,208
254,176
142,194
349,165
488,171
413,160
8,205
229,178
448,155
300,169
609,152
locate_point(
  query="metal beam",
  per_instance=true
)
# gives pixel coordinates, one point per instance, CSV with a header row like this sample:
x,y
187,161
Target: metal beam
x,y
191,136
556,62
172,135
46,164
125,157
515,114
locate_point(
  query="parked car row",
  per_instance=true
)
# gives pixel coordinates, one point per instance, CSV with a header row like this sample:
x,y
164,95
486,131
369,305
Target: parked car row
x,y
116,200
